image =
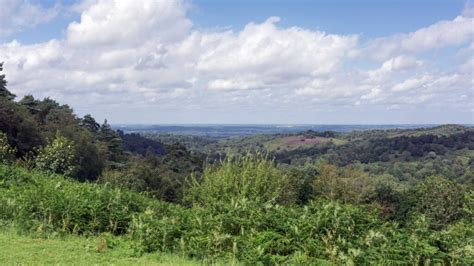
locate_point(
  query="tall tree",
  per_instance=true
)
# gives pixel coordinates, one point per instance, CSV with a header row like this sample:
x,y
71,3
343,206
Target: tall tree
x,y
16,122
89,122
113,142
4,92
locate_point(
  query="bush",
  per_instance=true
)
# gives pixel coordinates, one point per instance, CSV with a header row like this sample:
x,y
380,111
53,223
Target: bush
x,y
57,157
7,153
253,178
440,199
41,203
469,205
457,240
138,175
242,228
321,232
344,184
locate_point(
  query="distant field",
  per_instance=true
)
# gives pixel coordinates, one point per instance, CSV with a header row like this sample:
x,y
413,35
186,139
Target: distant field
x,y
18,249
296,141
224,131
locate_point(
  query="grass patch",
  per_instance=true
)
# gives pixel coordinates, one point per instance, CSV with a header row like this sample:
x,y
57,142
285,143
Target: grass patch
x,y
19,249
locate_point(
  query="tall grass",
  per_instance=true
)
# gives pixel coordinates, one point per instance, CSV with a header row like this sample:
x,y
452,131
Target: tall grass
x,y
41,202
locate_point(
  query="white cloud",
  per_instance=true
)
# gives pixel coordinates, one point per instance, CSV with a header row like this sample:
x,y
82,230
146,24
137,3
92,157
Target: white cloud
x,y
129,22
410,84
265,56
392,66
146,53
18,15
441,34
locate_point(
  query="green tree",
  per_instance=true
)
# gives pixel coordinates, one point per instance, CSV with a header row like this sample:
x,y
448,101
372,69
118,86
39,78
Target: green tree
x,y
30,103
347,185
113,144
89,122
57,157
20,127
89,157
4,92
440,199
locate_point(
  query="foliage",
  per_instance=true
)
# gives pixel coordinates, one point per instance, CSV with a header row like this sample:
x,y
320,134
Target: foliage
x,y
138,144
21,129
469,205
457,241
44,203
239,230
113,144
384,148
343,184
321,232
4,93
162,176
57,157
251,178
30,124
7,153
140,176
90,124
441,200
388,199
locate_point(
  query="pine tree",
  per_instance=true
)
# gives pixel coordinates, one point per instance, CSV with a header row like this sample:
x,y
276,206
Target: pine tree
x,y
4,92
113,143
89,122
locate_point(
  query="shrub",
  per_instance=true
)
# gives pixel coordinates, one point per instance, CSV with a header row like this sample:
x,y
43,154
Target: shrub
x,y
343,184
42,203
7,153
242,228
161,183
57,157
254,178
469,205
321,232
457,241
440,199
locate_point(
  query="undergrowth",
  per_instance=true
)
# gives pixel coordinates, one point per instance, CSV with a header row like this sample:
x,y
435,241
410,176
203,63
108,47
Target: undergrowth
x,y
234,225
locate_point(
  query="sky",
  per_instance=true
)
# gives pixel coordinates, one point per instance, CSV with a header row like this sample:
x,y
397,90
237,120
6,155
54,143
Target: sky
x,y
245,62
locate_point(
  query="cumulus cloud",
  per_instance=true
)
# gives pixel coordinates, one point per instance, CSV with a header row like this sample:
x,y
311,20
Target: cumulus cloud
x,y
146,53
18,15
441,34
265,56
129,22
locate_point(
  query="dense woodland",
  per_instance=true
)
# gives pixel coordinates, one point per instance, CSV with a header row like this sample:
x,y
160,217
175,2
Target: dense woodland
x,y
381,196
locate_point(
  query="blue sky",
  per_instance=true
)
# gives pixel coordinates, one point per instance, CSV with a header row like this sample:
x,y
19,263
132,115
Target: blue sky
x,y
373,18
368,18
267,61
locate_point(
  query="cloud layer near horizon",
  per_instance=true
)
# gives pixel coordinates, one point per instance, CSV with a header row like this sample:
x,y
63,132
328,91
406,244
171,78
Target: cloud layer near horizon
x,y
146,53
